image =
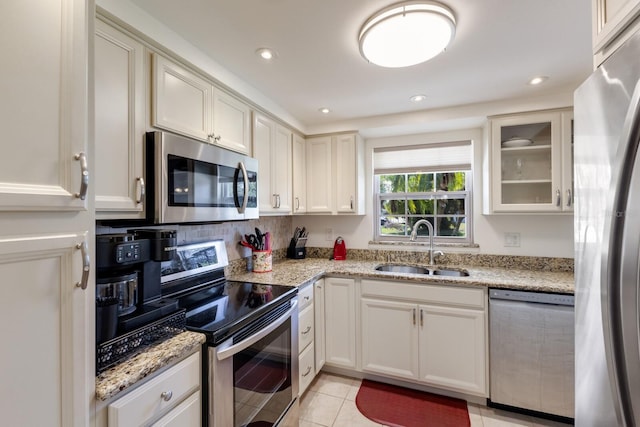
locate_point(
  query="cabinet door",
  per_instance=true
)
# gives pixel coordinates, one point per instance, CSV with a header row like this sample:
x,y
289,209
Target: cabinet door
x,y
345,173
44,106
307,371
611,17
453,351
263,143
231,122
281,164
319,310
340,322
181,100
306,329
119,122
299,178
389,338
42,302
527,161
319,175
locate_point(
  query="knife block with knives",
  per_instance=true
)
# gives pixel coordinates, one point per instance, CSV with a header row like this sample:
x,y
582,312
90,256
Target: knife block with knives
x,y
297,247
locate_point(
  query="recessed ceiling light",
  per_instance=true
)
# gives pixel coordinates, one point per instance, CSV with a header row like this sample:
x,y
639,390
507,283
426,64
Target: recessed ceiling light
x,y
266,53
537,80
418,98
407,33
324,110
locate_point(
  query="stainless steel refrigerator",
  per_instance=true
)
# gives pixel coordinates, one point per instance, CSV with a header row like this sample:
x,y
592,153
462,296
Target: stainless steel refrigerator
x,y
607,242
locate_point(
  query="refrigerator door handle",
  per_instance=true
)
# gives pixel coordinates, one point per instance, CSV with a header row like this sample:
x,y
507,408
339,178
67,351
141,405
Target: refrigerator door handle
x,y
620,270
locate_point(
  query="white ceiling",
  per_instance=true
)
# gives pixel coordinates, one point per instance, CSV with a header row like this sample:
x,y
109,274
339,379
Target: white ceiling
x,y
499,45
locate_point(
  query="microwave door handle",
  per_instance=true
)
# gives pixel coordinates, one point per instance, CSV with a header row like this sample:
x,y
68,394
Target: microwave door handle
x,y
245,198
237,348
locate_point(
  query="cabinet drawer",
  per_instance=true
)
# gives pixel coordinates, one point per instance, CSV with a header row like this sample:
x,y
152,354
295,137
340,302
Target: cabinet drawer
x,y
186,414
305,296
146,402
307,368
438,294
306,327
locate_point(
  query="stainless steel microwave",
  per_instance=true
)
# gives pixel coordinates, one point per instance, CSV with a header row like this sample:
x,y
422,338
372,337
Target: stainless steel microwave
x,y
192,181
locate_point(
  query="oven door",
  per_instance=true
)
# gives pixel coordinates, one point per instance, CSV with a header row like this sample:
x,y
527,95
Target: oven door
x,y
253,376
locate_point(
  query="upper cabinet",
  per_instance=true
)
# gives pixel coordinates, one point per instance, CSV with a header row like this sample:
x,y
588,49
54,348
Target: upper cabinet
x,y
613,22
188,104
119,121
299,187
335,174
530,163
272,148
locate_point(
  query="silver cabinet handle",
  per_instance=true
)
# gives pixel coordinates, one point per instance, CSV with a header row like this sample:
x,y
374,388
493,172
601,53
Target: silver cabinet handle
x,y
166,395
142,194
84,170
278,202
216,138
414,316
421,317
275,200
86,265
308,371
569,198
351,203
558,198
297,203
306,298
306,331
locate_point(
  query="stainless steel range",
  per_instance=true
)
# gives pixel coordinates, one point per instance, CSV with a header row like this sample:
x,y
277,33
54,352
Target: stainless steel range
x,y
251,374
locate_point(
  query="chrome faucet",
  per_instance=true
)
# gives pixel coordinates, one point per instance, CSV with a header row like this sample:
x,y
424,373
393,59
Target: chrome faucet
x,y
414,234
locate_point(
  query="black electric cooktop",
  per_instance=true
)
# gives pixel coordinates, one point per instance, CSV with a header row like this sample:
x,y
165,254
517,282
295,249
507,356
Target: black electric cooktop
x,y
221,310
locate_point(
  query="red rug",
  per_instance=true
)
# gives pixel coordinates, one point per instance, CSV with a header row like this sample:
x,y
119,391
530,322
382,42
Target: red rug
x,y
401,407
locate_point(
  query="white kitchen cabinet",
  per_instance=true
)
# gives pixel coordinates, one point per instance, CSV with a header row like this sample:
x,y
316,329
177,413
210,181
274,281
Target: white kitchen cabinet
x,y
299,177
272,148
119,122
231,127
46,231
340,322
614,21
335,174
531,160
319,339
187,103
171,398
435,335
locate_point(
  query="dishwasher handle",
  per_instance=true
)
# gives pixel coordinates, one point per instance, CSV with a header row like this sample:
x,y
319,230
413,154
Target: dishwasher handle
x,y
532,297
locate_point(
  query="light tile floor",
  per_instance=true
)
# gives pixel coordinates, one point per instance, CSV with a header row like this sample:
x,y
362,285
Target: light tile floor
x,y
330,402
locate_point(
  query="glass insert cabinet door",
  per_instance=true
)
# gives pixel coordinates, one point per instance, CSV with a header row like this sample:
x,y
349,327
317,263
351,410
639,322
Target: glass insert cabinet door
x,y
529,162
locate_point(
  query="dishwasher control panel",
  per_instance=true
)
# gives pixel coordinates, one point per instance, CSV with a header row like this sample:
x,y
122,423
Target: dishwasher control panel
x,y
533,297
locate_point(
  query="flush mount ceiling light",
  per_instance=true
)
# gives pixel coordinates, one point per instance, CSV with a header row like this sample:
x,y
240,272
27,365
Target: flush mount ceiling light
x,y
418,98
407,33
324,110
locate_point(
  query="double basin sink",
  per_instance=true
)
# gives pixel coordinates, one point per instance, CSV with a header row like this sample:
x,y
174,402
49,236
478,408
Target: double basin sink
x,y
412,269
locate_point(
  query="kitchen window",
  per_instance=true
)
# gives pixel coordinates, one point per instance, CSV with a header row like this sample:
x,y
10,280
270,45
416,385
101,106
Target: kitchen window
x,y
432,182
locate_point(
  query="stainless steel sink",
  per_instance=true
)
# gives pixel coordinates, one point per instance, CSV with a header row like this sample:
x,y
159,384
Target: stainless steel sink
x,y
414,269
448,272
399,268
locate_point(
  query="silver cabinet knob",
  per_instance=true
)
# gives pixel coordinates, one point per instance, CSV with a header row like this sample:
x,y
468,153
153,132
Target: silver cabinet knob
x,y
166,395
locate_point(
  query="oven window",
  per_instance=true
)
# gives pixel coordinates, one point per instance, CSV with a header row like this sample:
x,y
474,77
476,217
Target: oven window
x,y
262,379
193,183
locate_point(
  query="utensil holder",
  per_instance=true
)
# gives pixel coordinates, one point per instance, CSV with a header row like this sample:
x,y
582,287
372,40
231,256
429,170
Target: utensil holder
x,y
262,261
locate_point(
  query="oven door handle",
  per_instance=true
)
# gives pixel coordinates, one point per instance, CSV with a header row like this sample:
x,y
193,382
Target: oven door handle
x,y
237,348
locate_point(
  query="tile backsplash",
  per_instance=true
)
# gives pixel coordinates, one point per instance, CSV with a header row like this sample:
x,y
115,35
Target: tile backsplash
x,y
231,232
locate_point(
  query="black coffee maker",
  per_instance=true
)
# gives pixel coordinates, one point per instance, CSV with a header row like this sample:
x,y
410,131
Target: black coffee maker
x,y
128,288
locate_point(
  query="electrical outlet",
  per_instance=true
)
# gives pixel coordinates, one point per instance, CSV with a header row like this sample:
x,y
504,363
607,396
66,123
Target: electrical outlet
x,y
512,240
328,234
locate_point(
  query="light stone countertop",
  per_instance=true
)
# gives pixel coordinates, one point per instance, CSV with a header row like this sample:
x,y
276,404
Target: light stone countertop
x,y
299,272
150,360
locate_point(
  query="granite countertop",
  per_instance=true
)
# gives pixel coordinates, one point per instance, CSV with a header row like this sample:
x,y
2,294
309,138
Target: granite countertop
x,y
299,272
153,358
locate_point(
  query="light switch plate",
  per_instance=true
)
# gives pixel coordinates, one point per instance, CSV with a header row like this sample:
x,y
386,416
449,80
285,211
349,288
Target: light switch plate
x,y
512,240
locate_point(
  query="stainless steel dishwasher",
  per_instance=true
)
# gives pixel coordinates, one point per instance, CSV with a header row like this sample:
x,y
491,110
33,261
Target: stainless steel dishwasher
x,y
532,351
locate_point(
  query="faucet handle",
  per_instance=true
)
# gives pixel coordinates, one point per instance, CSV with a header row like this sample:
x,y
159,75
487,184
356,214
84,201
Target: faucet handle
x,y
438,253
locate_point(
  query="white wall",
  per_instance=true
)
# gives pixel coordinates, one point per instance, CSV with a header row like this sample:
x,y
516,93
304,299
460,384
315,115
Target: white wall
x,y
540,235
